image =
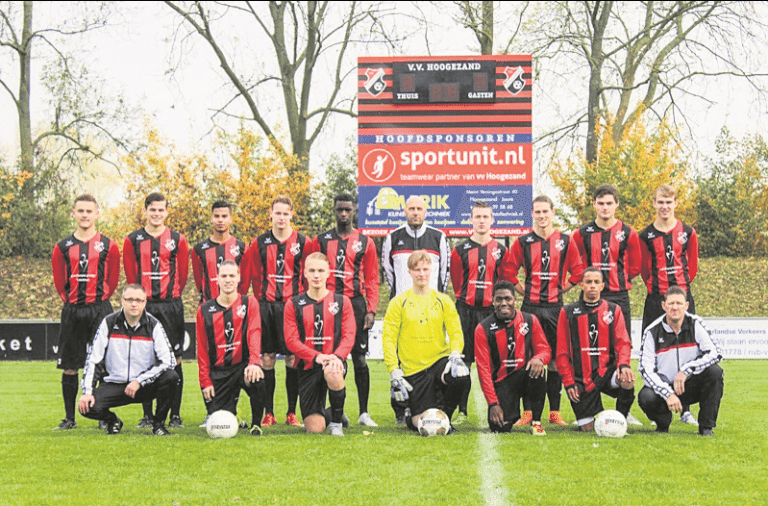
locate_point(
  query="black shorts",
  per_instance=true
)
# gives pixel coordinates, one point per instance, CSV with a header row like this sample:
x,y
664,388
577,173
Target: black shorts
x,y
622,300
470,316
313,390
428,389
653,310
227,389
511,389
170,314
272,335
360,307
79,323
548,317
591,403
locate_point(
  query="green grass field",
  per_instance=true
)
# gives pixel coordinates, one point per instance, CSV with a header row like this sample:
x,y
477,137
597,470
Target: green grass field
x,y
391,466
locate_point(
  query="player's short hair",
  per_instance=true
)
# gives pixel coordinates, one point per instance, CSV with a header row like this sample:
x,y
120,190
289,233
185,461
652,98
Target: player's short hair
x,y
134,286
221,204
343,197
504,285
480,204
605,189
282,199
155,197
544,198
227,262
675,290
592,268
665,190
318,256
417,257
85,197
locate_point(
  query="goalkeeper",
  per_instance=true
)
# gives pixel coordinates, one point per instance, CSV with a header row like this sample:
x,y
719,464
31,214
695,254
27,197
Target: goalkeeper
x,y
425,366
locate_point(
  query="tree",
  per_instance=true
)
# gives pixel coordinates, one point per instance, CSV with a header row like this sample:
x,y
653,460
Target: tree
x,y
479,16
297,39
732,198
340,177
638,164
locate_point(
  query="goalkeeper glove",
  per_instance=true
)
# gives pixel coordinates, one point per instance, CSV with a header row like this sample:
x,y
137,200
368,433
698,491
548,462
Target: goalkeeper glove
x,y
398,386
456,366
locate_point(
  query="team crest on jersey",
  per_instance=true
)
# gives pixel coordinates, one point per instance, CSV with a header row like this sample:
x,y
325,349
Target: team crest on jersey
x,y
83,262
98,246
357,246
170,245
496,253
620,235
608,317
234,250
295,249
560,244
682,237
241,310
524,329
333,308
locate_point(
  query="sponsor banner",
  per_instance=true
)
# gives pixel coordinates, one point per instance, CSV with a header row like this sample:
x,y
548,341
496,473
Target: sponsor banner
x,y
381,208
483,137
455,165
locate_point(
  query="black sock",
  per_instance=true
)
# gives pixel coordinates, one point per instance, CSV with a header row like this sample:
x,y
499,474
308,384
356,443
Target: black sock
x,y
337,398
257,403
269,391
363,384
69,393
554,385
176,404
292,387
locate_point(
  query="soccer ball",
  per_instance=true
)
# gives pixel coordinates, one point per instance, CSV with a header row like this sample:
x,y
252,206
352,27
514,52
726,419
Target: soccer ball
x,y
222,425
611,423
434,422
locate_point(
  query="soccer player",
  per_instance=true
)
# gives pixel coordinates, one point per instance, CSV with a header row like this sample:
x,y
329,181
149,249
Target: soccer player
x,y
511,350
276,264
86,269
157,258
132,361
320,330
593,352
670,250
208,255
414,235
475,267
228,329
425,365
678,363
354,273
546,255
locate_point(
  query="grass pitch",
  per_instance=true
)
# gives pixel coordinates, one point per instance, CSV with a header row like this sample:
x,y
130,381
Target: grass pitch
x,y
392,466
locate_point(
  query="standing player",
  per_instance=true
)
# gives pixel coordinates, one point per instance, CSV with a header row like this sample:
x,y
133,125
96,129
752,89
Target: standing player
x,y
511,351
320,330
593,352
228,331
425,366
546,255
475,267
276,263
86,269
354,273
670,258
157,258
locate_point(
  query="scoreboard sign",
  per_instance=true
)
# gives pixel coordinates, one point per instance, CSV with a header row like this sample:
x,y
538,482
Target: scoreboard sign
x,y
451,130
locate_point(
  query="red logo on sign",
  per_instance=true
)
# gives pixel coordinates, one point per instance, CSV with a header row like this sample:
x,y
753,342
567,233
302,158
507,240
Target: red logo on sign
x,y
379,165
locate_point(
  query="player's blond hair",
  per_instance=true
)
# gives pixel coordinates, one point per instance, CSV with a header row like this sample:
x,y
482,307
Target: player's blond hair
x,y
282,199
665,190
318,256
417,257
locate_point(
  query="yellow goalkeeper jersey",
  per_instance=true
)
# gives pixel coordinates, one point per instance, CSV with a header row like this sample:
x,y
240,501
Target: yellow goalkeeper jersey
x,y
419,330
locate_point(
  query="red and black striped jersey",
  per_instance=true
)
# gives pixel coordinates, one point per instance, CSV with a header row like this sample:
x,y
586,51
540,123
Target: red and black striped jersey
x,y
354,265
227,337
504,346
615,251
589,339
546,262
277,268
670,258
85,272
475,268
159,264
206,259
312,327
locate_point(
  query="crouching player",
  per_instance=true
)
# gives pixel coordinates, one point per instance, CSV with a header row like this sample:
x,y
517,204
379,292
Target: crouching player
x,y
132,359
228,331
320,331
511,350
593,353
426,368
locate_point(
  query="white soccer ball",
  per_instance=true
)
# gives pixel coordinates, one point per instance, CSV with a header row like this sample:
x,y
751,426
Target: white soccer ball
x,y
222,425
611,423
434,422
